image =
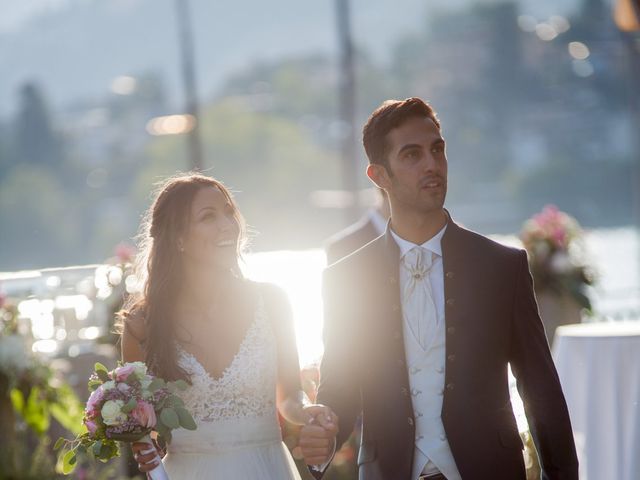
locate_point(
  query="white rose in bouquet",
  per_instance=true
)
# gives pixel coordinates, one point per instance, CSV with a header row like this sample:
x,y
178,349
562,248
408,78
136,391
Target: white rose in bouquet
x,y
112,412
139,369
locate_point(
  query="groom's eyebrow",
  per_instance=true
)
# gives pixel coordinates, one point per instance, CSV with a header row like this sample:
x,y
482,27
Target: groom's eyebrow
x,y
408,146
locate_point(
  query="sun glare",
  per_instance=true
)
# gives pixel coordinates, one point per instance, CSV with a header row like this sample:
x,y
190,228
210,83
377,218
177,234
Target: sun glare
x,y
299,273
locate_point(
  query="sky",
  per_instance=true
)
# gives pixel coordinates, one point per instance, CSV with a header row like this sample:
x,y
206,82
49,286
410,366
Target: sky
x,y
15,13
38,42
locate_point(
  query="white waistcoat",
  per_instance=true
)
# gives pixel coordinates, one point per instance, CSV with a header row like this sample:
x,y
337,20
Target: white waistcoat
x,y
426,383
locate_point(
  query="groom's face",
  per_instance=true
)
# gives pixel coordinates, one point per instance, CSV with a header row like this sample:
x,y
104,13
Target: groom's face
x,y
417,175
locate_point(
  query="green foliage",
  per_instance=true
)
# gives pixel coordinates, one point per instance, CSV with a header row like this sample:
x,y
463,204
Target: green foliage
x,y
185,418
44,401
67,410
169,418
156,384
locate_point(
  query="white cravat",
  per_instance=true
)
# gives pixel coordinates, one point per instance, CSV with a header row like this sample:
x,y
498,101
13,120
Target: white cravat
x,y
417,296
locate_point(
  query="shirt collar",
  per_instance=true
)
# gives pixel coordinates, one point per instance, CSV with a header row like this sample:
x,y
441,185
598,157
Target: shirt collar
x,y
434,244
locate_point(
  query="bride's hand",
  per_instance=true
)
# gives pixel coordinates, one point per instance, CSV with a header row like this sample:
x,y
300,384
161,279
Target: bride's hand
x,y
321,415
318,437
146,455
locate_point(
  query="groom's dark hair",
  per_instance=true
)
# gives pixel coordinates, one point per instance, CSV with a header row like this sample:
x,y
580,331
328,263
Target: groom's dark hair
x,y
389,115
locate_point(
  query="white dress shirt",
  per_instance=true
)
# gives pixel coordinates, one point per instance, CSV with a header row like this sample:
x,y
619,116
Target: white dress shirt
x,y
429,360
436,273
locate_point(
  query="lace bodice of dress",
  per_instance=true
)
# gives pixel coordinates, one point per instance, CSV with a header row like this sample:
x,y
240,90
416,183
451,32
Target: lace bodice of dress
x,y
246,387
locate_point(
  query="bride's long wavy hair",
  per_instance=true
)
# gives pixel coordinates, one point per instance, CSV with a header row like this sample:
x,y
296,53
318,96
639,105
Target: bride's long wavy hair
x,y
159,268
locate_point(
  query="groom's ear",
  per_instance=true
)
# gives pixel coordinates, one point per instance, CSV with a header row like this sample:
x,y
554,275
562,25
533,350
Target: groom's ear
x,y
378,174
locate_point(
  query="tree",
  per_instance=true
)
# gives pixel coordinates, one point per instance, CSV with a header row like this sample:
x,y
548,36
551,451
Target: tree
x,y
36,141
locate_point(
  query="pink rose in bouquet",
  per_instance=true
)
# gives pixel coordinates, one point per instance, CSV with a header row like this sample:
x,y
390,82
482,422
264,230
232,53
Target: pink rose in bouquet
x,y
123,372
144,414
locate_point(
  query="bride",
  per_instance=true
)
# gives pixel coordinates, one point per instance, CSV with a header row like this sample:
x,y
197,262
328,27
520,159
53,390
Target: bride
x,y
198,319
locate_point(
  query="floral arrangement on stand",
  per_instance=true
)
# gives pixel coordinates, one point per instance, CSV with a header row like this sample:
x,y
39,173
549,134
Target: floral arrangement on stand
x,y
31,395
125,405
554,241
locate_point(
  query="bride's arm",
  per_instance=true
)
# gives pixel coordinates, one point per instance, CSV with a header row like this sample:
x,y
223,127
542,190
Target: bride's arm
x,y
132,340
293,403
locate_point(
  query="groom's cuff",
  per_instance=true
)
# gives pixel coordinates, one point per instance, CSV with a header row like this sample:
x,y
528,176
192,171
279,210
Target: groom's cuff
x,y
321,468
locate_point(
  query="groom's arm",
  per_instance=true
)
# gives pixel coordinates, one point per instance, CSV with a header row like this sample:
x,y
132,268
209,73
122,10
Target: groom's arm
x,y
339,372
538,383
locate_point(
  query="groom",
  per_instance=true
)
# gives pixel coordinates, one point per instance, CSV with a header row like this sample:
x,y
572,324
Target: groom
x,y
420,326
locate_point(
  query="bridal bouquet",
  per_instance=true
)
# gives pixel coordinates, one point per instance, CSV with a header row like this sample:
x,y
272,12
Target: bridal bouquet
x,y
125,405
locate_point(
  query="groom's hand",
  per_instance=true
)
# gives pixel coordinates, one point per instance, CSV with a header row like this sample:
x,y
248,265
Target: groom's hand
x,y
318,436
320,415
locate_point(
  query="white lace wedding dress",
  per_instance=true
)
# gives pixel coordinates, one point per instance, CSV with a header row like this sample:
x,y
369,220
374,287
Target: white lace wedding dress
x,y
238,435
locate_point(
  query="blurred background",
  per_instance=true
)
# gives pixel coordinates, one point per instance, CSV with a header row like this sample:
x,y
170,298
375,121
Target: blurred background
x,y
538,101
99,100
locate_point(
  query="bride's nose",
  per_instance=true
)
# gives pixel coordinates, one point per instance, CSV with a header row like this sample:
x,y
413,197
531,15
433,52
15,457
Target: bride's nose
x,y
226,224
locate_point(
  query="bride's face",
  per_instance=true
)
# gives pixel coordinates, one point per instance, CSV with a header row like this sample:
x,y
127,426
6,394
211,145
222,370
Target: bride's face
x,y
212,235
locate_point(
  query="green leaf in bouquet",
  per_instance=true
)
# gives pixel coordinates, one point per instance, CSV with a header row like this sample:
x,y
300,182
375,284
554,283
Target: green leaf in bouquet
x,y
129,406
96,448
169,418
111,449
181,384
69,462
104,454
175,401
103,375
156,384
94,384
164,432
186,420
98,367
59,443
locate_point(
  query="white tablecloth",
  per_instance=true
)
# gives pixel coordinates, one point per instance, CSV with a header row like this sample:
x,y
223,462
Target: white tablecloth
x,y
599,368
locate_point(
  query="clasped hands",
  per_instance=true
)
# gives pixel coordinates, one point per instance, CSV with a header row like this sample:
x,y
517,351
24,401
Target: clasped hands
x,y
318,435
317,439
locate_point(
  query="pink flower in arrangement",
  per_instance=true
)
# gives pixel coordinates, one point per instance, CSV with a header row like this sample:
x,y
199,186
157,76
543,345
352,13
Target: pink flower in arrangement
x,y
559,237
144,414
93,404
122,373
125,252
91,426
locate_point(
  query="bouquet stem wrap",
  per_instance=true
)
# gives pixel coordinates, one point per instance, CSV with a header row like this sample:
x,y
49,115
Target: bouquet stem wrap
x,y
158,473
